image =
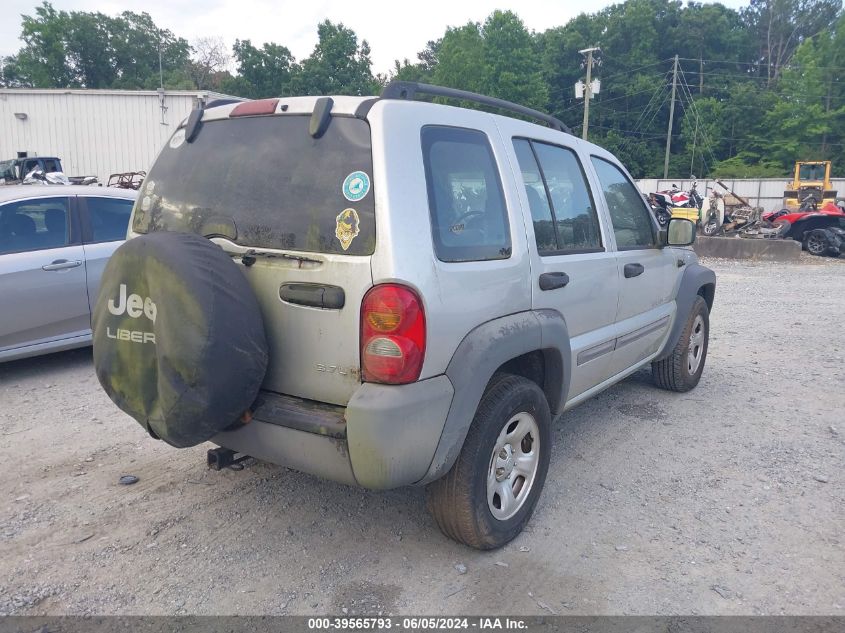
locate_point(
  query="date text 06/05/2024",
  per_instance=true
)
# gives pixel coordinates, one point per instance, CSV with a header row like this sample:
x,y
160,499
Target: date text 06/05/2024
x,y
416,623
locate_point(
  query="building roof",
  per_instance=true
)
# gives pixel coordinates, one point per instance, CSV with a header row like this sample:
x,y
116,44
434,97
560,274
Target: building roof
x,y
202,94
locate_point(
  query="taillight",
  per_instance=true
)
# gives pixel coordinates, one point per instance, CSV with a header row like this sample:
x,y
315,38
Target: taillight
x,y
392,335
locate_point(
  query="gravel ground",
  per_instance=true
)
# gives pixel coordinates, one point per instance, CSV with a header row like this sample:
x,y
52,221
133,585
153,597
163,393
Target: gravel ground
x,y
725,500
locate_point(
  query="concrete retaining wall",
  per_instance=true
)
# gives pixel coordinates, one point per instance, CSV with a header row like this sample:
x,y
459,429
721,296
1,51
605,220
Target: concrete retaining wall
x,y
748,248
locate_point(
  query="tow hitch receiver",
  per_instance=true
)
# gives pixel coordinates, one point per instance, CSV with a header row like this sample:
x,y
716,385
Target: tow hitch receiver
x,y
220,458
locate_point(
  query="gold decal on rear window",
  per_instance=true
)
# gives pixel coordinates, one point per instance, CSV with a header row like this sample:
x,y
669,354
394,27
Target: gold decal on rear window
x,y
347,229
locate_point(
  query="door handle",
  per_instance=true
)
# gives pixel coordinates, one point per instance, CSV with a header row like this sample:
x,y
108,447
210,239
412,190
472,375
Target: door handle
x,y
633,270
552,281
62,264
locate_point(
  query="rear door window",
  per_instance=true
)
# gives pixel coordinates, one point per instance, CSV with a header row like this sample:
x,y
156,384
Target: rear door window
x,y
108,218
469,218
266,182
33,225
562,208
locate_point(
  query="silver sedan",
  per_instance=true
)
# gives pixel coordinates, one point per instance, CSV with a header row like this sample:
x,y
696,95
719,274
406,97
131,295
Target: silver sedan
x,y
54,243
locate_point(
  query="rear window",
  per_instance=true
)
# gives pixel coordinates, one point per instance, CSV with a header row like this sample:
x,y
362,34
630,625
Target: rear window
x,y
469,219
265,182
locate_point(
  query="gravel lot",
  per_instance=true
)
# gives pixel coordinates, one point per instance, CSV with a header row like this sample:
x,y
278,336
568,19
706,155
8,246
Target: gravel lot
x,y
725,500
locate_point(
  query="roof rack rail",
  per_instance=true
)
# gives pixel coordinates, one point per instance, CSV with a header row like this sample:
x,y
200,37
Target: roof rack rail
x,y
410,89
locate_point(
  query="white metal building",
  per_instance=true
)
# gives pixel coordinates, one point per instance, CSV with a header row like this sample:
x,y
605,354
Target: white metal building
x,y
94,132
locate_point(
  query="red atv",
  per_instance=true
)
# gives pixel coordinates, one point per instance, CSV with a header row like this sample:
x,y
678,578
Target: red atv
x,y
821,232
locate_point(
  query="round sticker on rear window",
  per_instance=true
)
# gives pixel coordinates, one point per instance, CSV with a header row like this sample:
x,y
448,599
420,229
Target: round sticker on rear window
x,y
356,185
178,138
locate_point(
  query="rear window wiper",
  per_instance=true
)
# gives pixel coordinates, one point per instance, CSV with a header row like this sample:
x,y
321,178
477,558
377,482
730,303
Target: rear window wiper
x,y
248,255
248,258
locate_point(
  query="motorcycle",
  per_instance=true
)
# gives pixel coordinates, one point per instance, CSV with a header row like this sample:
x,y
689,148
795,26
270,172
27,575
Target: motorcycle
x,y
662,202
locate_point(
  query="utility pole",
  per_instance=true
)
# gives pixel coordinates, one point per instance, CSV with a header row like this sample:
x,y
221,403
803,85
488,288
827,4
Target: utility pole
x,y
588,90
700,75
671,119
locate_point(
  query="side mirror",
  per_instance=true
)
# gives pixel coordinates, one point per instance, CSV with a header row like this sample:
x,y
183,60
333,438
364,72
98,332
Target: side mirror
x,y
680,232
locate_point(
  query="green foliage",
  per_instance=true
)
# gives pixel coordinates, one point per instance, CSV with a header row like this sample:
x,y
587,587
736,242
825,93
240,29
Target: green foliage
x,y
338,65
499,58
77,49
748,166
262,72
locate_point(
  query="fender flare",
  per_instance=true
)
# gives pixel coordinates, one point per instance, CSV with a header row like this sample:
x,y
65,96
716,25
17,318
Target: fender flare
x,y
481,353
697,280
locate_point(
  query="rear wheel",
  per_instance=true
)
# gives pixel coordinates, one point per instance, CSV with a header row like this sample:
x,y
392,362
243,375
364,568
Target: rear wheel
x,y
817,242
490,493
682,369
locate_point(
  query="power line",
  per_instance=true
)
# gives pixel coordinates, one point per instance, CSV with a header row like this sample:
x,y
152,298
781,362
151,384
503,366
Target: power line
x,y
633,70
760,64
704,137
578,105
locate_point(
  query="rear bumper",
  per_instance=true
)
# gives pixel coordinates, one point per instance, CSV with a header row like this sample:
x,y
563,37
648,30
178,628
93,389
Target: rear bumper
x,y
392,432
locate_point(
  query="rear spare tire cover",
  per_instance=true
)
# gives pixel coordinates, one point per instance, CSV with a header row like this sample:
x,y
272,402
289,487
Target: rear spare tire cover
x,y
179,341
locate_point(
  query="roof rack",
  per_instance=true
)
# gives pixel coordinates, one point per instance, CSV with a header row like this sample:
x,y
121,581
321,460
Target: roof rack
x,y
410,89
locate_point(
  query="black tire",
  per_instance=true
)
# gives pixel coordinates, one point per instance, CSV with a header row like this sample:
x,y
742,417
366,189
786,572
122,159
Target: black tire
x,y
710,228
459,501
673,372
817,242
783,227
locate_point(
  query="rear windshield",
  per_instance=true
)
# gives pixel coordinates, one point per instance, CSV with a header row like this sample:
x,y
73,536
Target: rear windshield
x,y
265,182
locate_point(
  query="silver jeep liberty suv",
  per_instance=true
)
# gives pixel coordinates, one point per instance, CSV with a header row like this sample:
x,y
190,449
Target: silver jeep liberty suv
x,y
390,292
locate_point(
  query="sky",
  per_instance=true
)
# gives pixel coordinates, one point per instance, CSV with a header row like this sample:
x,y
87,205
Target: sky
x,y
394,30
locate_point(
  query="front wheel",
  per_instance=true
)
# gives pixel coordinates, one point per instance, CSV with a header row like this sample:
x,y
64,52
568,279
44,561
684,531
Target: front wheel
x,y
681,370
488,496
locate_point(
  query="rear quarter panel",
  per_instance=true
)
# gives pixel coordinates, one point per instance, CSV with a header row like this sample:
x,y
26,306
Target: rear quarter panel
x,y
457,296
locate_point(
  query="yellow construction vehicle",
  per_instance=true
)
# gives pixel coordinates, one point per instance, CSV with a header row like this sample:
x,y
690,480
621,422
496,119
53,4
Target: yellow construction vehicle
x,y
810,187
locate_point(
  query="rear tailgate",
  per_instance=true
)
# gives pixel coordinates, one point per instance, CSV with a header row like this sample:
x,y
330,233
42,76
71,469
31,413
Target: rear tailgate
x,y
313,351
298,214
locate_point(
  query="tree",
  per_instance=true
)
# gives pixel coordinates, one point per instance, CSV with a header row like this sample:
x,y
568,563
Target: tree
x,y
338,65
781,25
78,49
460,59
810,113
499,58
209,59
139,46
261,72
512,68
